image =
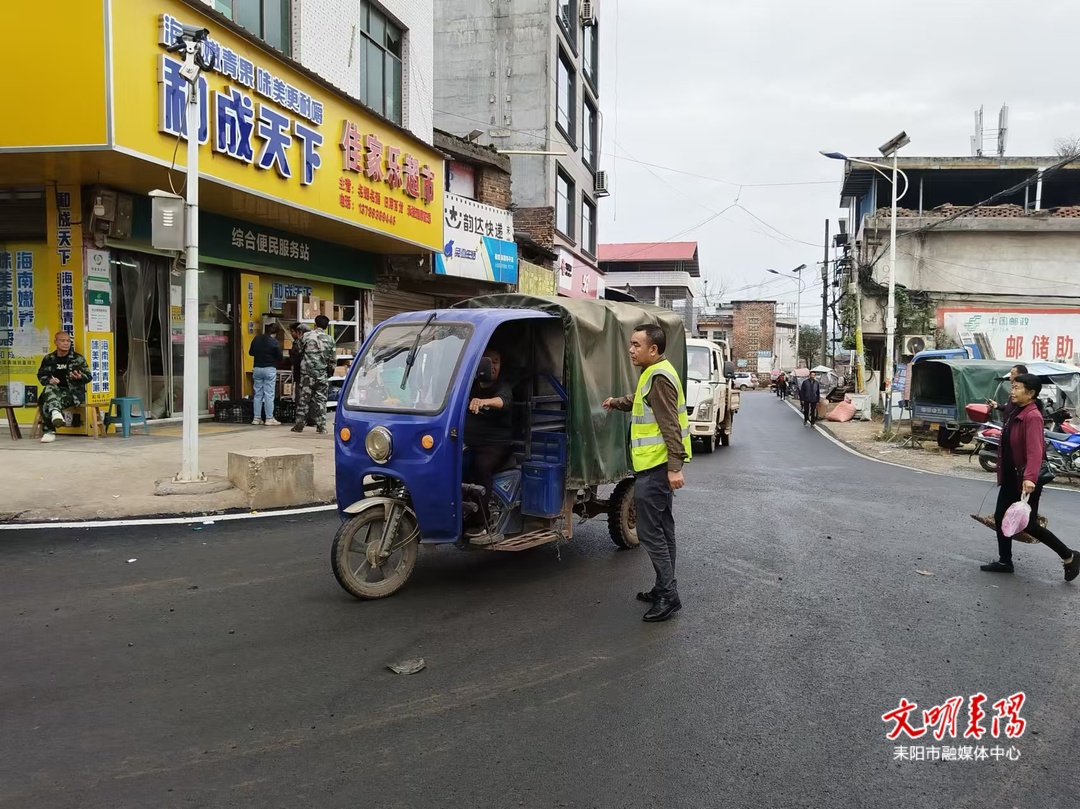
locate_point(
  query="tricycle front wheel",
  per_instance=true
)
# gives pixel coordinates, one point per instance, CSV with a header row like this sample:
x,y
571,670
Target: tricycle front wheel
x,y
352,555
622,515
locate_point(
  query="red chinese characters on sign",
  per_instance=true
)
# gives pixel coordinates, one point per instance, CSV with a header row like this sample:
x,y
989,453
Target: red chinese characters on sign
x,y
1064,347
393,167
373,158
943,718
1014,347
382,163
351,147
412,176
1040,347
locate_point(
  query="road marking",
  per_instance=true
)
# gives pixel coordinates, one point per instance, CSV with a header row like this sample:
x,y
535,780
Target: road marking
x,y
871,458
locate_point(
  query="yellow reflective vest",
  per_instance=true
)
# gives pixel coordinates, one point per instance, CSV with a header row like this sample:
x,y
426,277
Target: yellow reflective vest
x,y
647,448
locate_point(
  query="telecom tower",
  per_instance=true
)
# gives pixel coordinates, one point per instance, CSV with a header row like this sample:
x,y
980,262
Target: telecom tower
x,y
1001,134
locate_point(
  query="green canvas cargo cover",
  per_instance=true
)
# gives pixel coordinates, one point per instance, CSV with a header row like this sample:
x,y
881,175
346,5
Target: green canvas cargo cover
x,y
596,362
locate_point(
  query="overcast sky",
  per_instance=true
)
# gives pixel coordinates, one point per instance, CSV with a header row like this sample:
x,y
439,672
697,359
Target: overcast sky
x,y
748,91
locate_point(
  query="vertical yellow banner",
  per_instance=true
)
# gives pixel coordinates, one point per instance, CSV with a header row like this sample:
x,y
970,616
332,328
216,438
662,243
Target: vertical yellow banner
x,y
250,325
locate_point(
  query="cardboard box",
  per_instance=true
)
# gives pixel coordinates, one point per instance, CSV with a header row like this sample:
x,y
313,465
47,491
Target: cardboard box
x,y
327,308
341,370
339,313
289,312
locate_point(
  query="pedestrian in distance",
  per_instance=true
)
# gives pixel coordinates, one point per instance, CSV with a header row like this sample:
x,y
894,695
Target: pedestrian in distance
x,y
659,446
63,375
781,386
1021,455
317,360
810,395
266,351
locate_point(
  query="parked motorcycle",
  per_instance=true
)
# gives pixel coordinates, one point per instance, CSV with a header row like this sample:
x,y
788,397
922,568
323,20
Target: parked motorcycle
x,y
1063,453
987,441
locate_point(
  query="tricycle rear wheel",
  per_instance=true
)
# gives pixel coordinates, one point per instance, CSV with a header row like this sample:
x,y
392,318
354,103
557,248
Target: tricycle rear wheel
x,y
349,556
622,515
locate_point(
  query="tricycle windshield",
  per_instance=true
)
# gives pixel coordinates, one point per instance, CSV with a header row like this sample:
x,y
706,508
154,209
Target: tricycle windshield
x,y
383,379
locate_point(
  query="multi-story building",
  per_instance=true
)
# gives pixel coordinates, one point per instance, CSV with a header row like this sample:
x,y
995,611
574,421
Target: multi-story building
x,y
524,75
317,178
378,53
1000,278
661,273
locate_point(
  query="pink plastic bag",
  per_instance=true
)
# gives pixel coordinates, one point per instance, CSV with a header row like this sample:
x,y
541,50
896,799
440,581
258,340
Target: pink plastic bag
x,y
1016,518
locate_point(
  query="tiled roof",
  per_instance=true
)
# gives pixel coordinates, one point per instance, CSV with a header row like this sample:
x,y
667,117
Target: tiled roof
x,y
648,251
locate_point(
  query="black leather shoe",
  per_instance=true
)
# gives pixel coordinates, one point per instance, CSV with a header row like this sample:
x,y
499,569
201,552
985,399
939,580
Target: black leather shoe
x,y
1072,567
662,609
996,567
648,596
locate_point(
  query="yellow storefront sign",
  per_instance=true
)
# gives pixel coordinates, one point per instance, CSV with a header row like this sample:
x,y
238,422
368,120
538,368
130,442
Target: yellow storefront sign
x,y
268,129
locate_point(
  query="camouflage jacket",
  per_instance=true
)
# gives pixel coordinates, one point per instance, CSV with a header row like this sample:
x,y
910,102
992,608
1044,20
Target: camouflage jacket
x,y
56,367
319,354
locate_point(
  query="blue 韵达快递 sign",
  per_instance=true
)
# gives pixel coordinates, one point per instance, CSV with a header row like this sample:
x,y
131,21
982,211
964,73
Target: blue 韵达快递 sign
x,y
478,242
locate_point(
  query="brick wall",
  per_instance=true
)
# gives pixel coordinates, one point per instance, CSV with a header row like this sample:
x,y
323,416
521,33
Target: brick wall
x,y
493,188
536,223
753,329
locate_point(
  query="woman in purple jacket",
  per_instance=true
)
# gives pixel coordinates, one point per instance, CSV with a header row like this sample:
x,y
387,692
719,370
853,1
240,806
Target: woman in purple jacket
x,y
1020,458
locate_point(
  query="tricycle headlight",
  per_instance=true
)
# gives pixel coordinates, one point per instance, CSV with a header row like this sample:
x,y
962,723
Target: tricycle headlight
x,y
379,444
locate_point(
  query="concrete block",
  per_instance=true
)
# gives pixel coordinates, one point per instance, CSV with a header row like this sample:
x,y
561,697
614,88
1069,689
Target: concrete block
x,y
275,476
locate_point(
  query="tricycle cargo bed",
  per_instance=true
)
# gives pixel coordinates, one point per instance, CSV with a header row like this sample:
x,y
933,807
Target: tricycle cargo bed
x,y
597,365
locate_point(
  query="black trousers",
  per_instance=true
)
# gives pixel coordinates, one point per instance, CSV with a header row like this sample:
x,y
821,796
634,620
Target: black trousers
x,y
809,412
656,526
1008,494
487,459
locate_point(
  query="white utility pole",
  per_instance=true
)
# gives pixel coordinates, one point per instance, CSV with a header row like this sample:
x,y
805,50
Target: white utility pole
x,y
191,46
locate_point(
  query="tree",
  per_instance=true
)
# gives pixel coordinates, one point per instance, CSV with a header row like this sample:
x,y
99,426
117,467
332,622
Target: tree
x,y
1067,147
809,345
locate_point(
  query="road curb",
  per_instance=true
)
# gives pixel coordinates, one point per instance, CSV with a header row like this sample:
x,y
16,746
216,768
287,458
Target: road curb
x,y
848,447
230,515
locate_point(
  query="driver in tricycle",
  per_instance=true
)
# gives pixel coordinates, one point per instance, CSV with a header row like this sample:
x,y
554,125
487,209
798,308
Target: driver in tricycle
x,y
488,438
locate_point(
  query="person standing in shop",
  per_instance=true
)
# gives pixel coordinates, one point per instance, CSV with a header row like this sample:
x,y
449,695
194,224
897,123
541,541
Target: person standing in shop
x,y
317,361
266,349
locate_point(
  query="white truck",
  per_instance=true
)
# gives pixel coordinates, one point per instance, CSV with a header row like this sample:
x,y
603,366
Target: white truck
x,y
711,399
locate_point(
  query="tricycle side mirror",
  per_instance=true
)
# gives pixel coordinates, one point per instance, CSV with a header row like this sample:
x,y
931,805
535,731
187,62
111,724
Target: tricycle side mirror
x,y
729,370
485,374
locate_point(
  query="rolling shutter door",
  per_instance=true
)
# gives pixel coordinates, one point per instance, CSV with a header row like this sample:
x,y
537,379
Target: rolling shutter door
x,y
388,304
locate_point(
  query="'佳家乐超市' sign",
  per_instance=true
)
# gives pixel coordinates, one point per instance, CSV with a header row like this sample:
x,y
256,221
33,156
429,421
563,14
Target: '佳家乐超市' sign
x,y
266,128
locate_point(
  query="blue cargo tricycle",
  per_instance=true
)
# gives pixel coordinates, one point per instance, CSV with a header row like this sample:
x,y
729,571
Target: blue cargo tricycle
x,y
400,440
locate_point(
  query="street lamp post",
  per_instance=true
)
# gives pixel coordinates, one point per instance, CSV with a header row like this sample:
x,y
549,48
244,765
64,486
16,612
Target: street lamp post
x,y
890,149
190,44
798,302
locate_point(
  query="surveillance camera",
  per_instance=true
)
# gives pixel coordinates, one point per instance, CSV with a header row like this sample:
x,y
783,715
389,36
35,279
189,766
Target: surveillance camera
x,y
195,33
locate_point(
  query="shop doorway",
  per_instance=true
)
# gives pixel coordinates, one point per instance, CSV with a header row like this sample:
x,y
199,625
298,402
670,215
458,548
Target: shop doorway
x,y
144,361
150,333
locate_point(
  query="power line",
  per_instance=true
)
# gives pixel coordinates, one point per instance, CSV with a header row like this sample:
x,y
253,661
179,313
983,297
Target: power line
x,y
544,141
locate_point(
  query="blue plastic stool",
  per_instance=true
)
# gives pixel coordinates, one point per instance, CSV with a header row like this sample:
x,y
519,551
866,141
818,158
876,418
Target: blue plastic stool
x,y
122,412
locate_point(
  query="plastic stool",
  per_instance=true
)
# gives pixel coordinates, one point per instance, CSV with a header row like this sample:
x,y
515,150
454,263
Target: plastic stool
x,y
122,412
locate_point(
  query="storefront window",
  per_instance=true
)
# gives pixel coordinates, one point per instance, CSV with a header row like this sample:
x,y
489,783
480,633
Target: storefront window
x,y
216,315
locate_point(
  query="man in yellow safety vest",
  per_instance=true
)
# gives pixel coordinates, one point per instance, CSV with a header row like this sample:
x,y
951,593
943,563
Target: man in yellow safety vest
x,y
659,446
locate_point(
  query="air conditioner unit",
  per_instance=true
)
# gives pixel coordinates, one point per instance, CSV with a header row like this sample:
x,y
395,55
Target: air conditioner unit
x,y
914,343
588,14
600,184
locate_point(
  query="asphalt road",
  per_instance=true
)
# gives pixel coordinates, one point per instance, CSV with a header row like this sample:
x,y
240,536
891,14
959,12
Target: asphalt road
x,y
225,667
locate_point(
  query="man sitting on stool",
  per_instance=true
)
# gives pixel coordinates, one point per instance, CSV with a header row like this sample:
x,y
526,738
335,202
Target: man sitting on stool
x,y
63,375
